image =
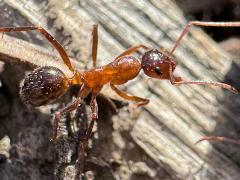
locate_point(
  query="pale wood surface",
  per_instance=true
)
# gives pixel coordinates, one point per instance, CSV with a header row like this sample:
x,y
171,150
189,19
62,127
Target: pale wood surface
x,y
167,128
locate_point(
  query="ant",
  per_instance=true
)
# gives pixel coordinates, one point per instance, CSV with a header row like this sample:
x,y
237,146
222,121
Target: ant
x,y
46,84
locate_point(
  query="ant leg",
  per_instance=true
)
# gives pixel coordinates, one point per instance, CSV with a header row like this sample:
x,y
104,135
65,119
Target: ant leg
x,y
48,36
94,44
218,138
179,81
132,50
140,101
84,91
83,144
60,113
199,23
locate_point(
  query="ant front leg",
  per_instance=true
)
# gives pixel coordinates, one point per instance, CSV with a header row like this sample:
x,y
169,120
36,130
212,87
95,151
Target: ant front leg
x,y
179,81
199,23
140,101
218,138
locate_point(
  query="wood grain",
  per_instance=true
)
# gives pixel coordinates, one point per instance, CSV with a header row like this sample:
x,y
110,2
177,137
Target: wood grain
x,y
165,130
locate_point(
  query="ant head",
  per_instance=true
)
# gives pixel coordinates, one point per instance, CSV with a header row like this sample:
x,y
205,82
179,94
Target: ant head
x,y
43,85
156,64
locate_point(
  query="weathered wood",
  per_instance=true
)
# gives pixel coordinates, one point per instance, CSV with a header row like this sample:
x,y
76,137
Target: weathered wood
x,y
166,129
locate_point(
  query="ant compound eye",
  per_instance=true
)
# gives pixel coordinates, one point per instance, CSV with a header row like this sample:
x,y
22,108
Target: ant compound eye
x,y
43,86
158,71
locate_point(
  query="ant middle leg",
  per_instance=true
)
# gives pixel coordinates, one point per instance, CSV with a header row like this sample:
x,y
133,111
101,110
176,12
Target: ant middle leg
x,y
132,50
179,81
200,23
48,36
140,101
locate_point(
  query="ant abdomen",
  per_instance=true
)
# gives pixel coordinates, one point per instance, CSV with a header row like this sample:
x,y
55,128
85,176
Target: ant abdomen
x,y
43,85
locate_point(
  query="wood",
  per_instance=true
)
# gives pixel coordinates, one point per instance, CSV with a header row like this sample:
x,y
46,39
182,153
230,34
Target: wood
x,y
161,135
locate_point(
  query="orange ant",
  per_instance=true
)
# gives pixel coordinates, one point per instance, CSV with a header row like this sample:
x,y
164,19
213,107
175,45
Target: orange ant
x,y
47,83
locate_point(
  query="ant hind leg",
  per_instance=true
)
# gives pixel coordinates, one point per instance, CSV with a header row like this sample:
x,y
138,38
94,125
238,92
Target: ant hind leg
x,y
140,101
60,113
84,91
94,44
48,36
83,143
57,118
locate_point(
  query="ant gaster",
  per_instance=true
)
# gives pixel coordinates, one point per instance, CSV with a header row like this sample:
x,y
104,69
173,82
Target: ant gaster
x,y
46,84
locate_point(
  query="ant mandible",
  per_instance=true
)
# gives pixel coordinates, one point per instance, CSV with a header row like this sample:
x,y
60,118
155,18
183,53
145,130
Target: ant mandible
x,y
47,83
